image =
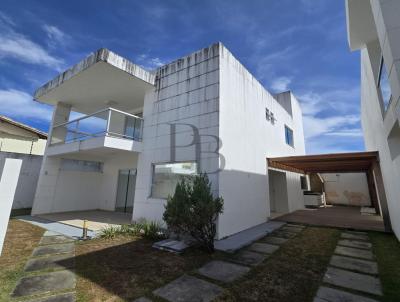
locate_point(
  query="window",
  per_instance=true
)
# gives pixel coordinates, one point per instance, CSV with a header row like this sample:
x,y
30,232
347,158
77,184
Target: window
x,y
384,85
289,136
304,183
81,165
166,177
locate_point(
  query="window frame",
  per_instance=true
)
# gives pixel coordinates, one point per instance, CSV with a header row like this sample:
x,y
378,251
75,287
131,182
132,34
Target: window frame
x,y
384,106
153,170
286,136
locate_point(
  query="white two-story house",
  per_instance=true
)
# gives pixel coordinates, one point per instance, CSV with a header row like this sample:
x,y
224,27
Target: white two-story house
x,y
121,137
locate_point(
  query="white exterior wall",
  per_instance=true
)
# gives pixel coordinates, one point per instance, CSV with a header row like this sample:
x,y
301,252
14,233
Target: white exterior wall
x,y
347,189
186,92
27,180
381,127
247,140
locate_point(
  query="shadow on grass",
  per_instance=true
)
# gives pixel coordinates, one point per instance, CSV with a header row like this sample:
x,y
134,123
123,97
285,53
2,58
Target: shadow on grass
x,y
127,267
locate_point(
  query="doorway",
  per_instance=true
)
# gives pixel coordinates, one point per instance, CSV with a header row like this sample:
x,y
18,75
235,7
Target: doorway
x,y
125,190
278,195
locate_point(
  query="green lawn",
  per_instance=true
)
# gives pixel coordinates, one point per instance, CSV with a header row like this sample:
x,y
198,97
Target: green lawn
x,y
21,239
387,251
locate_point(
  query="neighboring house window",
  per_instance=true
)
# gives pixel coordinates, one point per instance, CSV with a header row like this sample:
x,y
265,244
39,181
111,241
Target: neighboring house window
x,y
81,165
166,177
303,182
289,136
384,85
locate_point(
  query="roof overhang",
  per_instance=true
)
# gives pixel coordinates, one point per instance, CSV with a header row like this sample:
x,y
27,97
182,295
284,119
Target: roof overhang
x,y
101,80
326,163
361,27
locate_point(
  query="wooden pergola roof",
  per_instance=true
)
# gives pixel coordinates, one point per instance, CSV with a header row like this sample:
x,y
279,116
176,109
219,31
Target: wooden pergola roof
x,y
326,163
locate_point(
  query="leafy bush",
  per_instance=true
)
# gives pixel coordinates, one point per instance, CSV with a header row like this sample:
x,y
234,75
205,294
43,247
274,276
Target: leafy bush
x,y
147,229
193,210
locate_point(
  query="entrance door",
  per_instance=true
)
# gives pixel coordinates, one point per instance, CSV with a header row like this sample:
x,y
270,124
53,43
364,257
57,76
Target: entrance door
x,y
125,190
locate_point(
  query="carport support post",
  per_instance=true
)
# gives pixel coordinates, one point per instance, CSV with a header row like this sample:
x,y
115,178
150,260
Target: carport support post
x,y
380,189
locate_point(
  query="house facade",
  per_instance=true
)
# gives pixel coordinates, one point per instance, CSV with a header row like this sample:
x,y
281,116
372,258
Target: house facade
x,y
373,28
121,138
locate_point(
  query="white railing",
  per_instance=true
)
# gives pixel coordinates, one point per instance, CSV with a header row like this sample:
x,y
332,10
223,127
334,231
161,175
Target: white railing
x,y
106,122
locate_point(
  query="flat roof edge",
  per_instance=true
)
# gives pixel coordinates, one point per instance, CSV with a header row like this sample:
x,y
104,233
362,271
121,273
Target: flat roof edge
x,y
100,55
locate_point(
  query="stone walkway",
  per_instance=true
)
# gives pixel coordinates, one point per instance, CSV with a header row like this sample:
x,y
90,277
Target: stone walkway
x,y
202,287
352,275
49,275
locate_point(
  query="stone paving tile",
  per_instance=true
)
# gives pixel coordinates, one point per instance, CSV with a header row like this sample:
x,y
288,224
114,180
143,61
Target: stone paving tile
x,y
44,283
273,240
61,261
188,289
362,266
357,232
142,299
355,281
53,249
355,243
354,236
248,258
223,271
69,297
264,248
327,294
46,240
353,252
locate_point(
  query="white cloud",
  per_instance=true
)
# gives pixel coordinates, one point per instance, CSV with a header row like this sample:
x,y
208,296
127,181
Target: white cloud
x,y
17,46
317,126
148,62
19,104
281,84
55,35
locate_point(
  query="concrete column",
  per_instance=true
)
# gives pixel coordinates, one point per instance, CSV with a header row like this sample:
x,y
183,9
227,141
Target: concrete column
x,y
9,171
60,115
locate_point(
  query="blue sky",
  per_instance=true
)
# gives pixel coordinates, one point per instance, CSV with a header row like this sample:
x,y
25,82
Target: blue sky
x,y
299,45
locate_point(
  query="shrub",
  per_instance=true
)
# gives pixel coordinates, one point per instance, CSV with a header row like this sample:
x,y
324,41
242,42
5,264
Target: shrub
x,y
148,229
193,210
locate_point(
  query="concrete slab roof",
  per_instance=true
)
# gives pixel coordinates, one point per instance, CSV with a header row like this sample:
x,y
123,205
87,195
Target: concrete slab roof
x,y
100,80
360,23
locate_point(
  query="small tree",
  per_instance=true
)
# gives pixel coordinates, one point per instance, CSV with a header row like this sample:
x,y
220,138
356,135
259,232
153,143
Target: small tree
x,y
193,210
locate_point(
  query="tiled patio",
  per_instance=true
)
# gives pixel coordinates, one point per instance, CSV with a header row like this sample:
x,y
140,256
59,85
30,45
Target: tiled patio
x,y
335,216
97,219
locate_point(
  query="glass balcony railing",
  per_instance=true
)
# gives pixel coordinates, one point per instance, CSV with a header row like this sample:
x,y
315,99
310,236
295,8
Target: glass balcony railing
x,y
107,122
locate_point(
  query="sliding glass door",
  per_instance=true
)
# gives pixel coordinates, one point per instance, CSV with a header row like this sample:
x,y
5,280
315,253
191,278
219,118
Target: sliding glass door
x,y
125,190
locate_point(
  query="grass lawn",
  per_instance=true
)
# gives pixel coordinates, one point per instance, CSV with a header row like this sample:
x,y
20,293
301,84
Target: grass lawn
x,y
293,273
21,239
387,251
125,268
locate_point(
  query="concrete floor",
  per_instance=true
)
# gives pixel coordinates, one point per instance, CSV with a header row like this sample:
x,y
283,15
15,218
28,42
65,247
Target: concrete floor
x,y
335,216
97,219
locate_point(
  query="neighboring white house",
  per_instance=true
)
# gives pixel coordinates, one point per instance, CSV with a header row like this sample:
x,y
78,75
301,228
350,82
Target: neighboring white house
x,y
373,27
20,141
142,130
20,138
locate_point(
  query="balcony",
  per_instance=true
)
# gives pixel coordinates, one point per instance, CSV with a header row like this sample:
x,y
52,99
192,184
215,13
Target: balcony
x,y
107,129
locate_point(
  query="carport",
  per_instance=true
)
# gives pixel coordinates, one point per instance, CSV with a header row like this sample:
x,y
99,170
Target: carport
x,y
364,162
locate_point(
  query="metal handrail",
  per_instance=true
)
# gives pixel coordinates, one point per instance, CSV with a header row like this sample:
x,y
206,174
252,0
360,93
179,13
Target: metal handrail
x,y
95,113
